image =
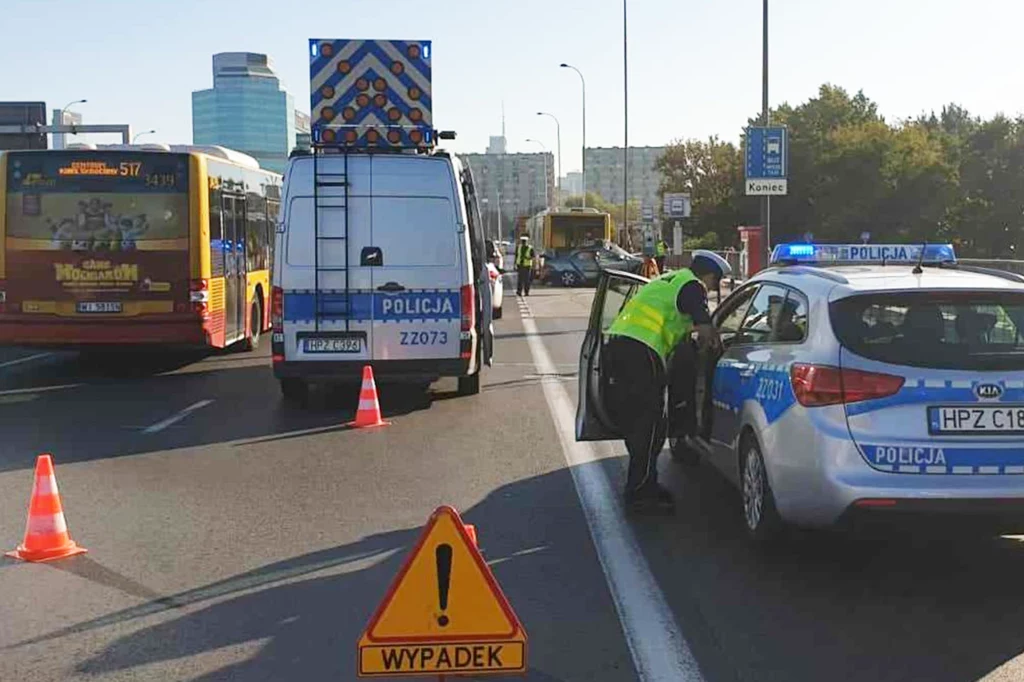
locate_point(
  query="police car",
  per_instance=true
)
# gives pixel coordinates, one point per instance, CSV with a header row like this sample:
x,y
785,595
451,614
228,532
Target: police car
x,y
879,381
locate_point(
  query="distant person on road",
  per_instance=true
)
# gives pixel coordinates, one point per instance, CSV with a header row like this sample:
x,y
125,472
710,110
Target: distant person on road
x,y
641,354
524,266
660,251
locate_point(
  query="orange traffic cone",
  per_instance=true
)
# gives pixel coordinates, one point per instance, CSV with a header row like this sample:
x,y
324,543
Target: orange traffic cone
x,y
46,532
368,414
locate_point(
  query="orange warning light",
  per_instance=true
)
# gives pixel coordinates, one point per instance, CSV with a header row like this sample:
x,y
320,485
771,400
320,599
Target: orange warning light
x,y
413,51
394,137
394,114
328,136
362,100
327,92
414,93
327,114
380,101
416,136
350,136
348,113
415,115
397,68
344,66
372,136
362,84
380,85
326,49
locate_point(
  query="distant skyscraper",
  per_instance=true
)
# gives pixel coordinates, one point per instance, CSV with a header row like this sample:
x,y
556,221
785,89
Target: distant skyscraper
x,y
302,134
70,118
246,109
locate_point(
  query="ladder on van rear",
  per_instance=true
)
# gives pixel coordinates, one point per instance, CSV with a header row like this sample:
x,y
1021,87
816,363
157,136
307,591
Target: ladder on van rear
x,y
331,306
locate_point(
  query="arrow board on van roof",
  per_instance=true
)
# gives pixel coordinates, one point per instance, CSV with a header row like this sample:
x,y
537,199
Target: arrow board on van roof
x,y
371,93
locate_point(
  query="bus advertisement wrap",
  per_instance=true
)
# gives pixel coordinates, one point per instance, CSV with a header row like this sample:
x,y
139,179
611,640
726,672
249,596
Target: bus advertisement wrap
x,y
112,228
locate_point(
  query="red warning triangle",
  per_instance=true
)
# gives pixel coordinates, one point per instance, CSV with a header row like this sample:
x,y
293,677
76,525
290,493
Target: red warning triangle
x,y
444,592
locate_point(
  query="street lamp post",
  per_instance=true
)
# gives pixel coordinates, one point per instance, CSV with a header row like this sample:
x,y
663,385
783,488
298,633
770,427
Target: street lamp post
x,y
583,160
625,121
65,108
138,135
558,134
547,199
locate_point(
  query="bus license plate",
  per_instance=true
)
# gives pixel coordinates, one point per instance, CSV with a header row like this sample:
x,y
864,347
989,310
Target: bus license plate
x,y
997,420
99,307
344,344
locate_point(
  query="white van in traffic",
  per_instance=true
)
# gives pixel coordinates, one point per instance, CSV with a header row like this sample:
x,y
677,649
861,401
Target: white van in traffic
x,y
380,261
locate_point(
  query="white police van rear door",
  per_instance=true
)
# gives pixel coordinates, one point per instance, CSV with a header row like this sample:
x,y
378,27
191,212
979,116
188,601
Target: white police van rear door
x,y
417,259
327,292
934,380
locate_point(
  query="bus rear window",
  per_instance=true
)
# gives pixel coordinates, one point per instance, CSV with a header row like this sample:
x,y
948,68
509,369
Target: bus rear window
x,y
95,199
967,330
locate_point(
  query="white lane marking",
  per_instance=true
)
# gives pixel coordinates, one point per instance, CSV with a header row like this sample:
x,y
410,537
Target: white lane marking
x,y
27,358
175,418
37,389
659,651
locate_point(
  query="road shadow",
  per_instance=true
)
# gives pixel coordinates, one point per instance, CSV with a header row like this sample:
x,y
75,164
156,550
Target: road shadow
x,y
307,612
87,415
883,605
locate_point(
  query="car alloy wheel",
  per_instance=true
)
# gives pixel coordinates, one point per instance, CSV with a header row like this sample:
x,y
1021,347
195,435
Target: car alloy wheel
x,y
753,489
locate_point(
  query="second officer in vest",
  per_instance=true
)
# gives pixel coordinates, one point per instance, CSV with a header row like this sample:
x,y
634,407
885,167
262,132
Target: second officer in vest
x,y
641,345
524,266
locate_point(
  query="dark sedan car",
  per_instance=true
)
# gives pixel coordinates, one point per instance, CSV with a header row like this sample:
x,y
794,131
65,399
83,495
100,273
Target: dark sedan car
x,y
583,266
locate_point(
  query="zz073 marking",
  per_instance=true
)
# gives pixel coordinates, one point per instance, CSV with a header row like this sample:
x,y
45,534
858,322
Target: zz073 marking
x,y
431,338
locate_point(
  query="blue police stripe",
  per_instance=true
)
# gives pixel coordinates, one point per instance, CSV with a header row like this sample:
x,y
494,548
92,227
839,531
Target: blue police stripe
x,y
408,306
955,460
918,394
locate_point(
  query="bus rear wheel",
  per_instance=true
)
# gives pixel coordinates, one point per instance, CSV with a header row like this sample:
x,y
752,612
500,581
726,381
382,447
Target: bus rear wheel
x,y
252,342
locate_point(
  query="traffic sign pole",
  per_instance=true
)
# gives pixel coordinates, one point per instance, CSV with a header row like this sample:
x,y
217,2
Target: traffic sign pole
x,y
766,208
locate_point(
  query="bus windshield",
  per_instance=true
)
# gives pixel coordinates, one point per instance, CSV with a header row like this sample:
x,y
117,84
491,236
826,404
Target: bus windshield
x,y
102,201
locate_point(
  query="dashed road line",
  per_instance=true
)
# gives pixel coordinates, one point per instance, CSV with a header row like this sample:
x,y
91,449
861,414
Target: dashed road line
x,y
27,358
660,652
175,418
524,307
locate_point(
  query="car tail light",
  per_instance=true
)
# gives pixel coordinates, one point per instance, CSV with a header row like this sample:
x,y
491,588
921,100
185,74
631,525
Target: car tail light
x,y
818,385
493,274
277,309
199,296
468,307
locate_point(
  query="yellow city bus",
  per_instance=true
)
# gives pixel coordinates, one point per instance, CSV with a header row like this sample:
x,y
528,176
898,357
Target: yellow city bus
x,y
567,229
135,246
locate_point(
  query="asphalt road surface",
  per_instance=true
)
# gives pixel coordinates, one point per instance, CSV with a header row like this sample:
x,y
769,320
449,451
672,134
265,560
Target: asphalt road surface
x,y
233,537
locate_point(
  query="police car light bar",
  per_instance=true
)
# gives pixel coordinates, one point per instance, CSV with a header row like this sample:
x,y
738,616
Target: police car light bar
x,y
824,254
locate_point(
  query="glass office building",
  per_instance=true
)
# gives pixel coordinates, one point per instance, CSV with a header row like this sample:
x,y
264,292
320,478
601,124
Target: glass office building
x,y
246,109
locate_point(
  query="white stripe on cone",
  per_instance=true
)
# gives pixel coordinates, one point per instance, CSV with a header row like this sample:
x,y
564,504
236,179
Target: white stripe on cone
x,y
47,524
367,405
46,485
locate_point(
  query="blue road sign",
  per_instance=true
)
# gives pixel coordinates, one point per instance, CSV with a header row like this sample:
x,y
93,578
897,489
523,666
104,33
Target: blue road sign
x,y
767,160
368,93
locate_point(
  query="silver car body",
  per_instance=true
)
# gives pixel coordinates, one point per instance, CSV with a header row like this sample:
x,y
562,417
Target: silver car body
x,y
822,461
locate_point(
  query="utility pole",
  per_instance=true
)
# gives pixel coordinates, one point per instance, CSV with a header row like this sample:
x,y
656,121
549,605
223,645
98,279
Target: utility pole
x,y
625,119
766,205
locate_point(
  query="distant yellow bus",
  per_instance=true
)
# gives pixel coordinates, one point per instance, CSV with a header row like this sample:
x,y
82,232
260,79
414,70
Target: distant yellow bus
x,y
135,246
568,229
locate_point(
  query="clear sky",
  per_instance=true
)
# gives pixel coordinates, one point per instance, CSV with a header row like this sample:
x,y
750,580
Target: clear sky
x,y
694,65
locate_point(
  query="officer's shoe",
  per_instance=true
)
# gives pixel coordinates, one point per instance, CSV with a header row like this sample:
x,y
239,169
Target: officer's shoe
x,y
654,501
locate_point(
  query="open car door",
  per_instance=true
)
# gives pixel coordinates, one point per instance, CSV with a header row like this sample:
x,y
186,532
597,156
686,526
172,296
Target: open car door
x,y
614,288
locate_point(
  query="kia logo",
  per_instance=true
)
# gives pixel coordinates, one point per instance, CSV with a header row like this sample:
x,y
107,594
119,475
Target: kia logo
x,y
988,391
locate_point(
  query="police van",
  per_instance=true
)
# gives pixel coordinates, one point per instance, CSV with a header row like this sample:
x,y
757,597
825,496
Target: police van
x,y
380,255
857,383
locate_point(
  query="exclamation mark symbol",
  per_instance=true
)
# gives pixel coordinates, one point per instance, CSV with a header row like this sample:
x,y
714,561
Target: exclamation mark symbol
x,y
443,555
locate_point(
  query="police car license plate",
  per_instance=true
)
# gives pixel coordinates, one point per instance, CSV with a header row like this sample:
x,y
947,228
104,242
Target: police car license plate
x,y
98,307
998,420
332,344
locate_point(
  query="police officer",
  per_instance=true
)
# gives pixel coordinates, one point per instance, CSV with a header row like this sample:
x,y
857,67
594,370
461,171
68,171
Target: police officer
x,y
524,266
660,250
641,346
